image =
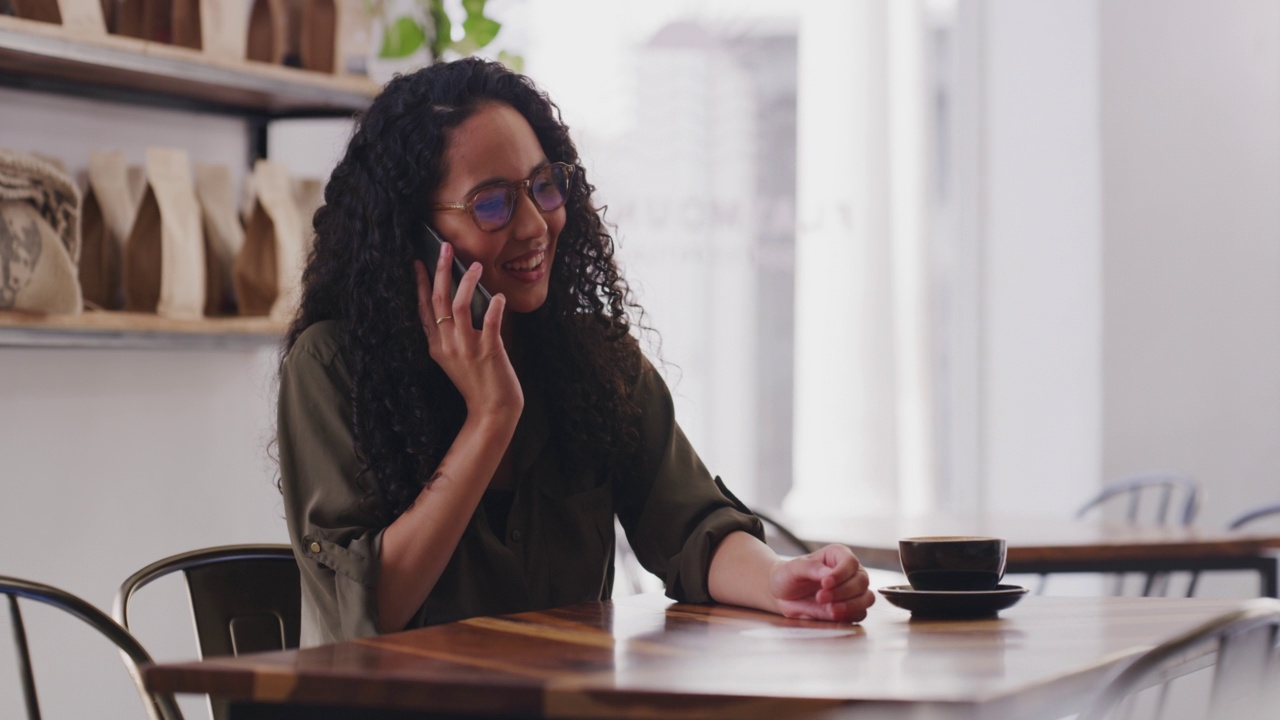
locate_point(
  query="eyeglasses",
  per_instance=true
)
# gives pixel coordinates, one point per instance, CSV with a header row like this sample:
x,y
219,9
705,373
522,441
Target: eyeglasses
x,y
492,206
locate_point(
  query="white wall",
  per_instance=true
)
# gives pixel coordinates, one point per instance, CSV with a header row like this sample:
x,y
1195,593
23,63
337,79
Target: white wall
x,y
1040,285
1191,167
845,441
115,458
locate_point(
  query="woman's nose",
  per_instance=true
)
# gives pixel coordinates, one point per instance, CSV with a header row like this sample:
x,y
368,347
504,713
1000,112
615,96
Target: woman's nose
x,y
528,222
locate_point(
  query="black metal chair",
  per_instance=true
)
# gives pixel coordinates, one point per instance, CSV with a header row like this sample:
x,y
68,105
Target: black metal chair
x,y
1151,499
1246,674
1254,515
1156,498
244,599
158,706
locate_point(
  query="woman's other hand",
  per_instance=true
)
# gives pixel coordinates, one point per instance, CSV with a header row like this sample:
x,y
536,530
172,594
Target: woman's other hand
x,y
475,360
828,584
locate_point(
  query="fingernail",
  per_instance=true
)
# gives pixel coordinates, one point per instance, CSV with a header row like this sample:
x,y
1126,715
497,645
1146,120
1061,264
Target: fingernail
x,y
445,249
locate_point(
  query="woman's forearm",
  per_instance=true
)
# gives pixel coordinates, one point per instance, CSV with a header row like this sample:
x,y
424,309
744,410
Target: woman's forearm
x,y
740,570
417,546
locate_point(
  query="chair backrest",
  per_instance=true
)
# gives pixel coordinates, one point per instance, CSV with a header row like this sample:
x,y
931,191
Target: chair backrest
x,y
1251,516
244,599
1157,498
158,706
1246,674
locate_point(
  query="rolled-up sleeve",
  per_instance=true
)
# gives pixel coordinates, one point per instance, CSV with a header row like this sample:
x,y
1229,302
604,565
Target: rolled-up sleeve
x,y
673,510
333,526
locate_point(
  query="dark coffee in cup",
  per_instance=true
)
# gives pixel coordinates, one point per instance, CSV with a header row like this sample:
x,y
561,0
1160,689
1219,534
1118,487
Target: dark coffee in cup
x,y
952,562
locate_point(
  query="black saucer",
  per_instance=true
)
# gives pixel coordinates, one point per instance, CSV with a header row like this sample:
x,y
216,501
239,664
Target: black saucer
x,y
953,603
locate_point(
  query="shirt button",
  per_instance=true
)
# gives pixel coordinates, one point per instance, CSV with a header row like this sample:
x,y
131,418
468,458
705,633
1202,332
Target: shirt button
x,y
516,536
315,547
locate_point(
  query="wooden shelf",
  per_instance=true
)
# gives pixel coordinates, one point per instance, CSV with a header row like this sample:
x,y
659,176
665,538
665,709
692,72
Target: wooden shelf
x,y
135,330
33,51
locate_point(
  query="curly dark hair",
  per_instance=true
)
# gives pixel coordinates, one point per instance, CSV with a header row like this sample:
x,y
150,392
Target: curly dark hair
x,y
577,347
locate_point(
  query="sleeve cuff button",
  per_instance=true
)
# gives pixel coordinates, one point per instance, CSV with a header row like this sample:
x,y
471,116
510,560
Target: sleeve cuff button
x,y
315,546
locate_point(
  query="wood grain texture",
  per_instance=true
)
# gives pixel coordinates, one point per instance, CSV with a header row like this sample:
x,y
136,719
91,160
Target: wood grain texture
x,y
647,658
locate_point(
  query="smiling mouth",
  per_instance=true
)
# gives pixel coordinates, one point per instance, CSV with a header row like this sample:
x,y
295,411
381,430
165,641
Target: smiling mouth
x,y
530,263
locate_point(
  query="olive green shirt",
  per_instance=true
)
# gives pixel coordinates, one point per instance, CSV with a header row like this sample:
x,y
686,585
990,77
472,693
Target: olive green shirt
x,y
559,542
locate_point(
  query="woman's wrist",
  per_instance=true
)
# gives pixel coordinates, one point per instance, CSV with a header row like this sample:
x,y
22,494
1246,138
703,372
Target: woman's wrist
x,y
496,422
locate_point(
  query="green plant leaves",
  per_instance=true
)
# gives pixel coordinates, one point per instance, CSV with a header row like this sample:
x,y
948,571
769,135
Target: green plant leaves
x,y
443,26
480,30
406,35
402,38
515,62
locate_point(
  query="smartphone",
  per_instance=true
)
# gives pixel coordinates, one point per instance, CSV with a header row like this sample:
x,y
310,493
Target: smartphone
x,y
429,252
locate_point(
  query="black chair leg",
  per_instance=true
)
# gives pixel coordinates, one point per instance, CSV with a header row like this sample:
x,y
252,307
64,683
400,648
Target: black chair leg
x,y
24,660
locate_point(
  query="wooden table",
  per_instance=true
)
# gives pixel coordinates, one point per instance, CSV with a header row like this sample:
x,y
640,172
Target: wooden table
x,y
1039,545
643,657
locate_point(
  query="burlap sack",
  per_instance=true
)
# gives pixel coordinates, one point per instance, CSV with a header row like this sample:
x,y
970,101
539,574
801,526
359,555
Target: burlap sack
x,y
164,256
39,236
268,270
268,31
107,218
223,237
308,195
51,160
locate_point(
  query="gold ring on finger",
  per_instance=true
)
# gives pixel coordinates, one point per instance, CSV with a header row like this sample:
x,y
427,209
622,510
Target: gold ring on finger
x,y
442,319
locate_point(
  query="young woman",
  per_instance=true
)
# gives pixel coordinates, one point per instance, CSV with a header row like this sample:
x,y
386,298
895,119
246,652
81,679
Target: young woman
x,y
433,471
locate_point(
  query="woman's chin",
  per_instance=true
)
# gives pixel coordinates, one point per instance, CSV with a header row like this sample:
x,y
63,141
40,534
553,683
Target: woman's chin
x,y
525,302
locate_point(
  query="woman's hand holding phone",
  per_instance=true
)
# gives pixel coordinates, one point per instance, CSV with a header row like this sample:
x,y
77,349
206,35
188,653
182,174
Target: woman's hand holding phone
x,y
475,360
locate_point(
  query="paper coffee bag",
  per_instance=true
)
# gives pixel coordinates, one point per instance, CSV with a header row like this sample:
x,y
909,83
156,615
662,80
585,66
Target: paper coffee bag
x,y
109,208
137,184
83,16
186,22
223,237
308,195
268,31
128,18
223,29
352,43
268,270
39,236
318,35
39,10
164,268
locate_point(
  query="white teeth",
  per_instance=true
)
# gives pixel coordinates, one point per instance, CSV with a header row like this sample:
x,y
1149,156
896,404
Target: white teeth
x,y
526,264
